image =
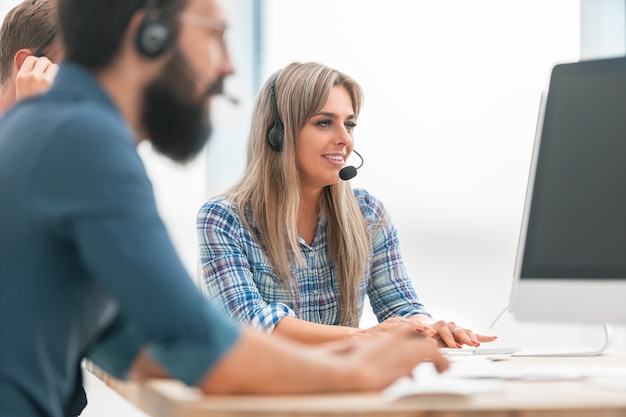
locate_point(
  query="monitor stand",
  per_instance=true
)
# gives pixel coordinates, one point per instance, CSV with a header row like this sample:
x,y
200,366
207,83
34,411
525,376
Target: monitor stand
x,y
574,351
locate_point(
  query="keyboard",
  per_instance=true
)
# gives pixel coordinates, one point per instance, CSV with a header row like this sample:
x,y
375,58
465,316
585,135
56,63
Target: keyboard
x,y
481,350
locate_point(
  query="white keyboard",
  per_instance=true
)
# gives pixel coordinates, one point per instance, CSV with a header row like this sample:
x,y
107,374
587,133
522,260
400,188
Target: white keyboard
x,y
487,350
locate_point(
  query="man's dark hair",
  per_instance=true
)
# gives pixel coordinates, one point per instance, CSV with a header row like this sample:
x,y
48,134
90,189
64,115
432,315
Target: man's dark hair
x,y
24,27
92,30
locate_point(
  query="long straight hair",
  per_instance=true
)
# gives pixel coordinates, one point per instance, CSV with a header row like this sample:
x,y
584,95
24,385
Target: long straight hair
x,y
270,188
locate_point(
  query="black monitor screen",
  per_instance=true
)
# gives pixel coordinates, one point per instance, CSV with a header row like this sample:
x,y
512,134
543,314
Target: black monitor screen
x,y
577,220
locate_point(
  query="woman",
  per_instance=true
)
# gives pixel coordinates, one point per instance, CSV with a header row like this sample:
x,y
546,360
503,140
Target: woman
x,y
292,249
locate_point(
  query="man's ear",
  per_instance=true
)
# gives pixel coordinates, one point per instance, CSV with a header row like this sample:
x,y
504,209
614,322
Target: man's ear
x,y
19,58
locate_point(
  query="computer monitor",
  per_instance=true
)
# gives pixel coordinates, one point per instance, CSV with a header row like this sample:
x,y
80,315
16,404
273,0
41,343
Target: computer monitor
x,y
571,261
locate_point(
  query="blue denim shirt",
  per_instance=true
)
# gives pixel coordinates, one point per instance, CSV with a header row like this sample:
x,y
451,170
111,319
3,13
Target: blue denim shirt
x,y
86,264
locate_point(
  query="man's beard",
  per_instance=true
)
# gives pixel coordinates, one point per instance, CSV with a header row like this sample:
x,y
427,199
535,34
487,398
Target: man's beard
x,y
175,117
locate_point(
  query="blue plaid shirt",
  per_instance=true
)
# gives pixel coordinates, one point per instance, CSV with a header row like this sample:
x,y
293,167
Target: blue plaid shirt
x,y
237,274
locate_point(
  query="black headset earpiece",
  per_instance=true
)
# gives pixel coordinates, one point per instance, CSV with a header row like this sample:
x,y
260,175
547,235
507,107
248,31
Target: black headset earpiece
x,y
44,42
154,35
276,133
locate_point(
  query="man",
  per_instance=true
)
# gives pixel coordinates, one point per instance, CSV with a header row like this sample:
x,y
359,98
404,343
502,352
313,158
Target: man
x,y
28,51
27,46
87,269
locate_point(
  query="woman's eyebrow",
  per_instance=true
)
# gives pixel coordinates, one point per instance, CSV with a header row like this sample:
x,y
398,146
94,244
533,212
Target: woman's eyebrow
x,y
333,115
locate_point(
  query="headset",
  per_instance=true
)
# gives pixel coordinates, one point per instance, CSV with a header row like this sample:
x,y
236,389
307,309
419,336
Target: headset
x,y
276,133
154,35
44,42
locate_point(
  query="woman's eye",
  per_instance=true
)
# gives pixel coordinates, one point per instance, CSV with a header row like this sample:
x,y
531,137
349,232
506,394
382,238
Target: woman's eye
x,y
350,126
323,123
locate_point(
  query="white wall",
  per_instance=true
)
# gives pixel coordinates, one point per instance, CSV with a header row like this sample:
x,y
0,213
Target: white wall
x,y
603,32
6,5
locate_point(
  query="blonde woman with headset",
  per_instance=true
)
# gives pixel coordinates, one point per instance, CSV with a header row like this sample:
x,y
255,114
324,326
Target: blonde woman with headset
x,y
292,249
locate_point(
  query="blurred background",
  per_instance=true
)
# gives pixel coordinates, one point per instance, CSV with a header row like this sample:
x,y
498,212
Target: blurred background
x,y
452,93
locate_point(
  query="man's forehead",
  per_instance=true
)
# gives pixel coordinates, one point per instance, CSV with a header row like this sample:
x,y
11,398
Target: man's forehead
x,y
208,8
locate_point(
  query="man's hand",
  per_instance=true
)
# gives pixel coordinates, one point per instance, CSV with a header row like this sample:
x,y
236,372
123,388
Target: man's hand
x,y
34,77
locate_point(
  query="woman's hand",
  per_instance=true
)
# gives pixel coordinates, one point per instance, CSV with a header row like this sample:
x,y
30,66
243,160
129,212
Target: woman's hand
x,y
394,323
449,334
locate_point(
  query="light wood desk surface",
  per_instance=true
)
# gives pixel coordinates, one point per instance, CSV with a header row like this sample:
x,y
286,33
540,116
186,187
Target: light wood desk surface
x,y
523,398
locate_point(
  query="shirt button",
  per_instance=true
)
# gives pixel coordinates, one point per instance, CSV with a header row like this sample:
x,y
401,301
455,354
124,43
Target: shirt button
x,y
311,254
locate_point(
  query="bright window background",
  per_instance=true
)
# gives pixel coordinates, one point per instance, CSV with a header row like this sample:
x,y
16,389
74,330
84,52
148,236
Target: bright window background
x,y
452,91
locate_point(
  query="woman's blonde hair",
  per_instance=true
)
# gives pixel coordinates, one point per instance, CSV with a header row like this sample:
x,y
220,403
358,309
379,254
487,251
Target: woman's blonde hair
x,y
270,187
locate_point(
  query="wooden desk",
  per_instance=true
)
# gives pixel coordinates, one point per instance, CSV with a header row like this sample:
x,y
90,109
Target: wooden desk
x,y
572,398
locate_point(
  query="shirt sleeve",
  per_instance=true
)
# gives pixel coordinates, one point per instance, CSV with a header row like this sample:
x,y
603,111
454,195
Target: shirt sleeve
x,y
390,289
117,348
230,257
98,199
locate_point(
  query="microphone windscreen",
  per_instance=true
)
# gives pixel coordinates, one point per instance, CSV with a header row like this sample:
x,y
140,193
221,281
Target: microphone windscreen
x,y
347,173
